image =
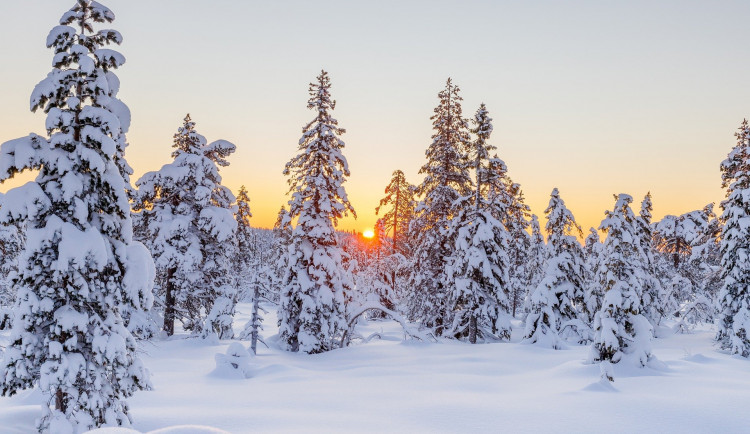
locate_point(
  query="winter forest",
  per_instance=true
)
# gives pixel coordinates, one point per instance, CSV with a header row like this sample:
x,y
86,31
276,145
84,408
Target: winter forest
x,y
156,303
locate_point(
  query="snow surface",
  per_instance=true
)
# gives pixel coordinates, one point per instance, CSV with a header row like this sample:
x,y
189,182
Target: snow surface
x,y
391,385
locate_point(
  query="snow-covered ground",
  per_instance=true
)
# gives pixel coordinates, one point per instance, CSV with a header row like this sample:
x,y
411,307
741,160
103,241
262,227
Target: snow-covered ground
x,y
391,385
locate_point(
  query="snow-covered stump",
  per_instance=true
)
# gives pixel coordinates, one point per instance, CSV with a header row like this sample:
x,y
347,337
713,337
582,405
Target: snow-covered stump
x,y
235,363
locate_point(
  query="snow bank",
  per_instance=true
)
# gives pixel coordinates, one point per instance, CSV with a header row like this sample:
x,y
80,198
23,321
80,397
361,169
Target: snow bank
x,y
179,429
391,385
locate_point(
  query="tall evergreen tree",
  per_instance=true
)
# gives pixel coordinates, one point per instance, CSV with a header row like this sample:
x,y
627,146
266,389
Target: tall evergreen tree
x,y
592,251
399,196
446,180
243,235
532,260
651,286
374,284
312,313
515,215
477,274
80,266
278,255
734,299
558,299
621,331
687,264
188,218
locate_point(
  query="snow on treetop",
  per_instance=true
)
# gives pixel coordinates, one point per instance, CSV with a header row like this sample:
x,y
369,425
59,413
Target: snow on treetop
x,y
99,12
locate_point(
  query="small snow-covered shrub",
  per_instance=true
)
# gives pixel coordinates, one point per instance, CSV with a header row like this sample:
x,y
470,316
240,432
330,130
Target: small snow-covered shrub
x,y
235,363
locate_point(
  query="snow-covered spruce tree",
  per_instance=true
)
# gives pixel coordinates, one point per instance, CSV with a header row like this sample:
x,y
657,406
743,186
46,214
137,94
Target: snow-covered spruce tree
x,y
278,255
446,179
514,214
705,258
687,264
373,279
244,247
399,198
703,270
621,331
651,285
400,203
593,291
188,217
260,284
260,287
383,267
312,313
11,244
253,275
533,262
557,302
477,270
80,266
734,299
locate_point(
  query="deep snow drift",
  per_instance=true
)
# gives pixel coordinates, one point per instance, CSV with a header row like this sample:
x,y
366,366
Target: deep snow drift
x,y
391,385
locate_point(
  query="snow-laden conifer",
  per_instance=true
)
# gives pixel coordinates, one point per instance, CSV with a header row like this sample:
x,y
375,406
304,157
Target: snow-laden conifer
x,y
515,215
312,312
651,285
277,256
734,299
593,291
80,267
11,244
557,302
531,252
477,270
446,180
374,285
243,236
622,333
252,277
687,264
188,218
399,198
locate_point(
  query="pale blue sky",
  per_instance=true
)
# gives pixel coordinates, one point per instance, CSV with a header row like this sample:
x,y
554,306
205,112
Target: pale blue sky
x,y
592,97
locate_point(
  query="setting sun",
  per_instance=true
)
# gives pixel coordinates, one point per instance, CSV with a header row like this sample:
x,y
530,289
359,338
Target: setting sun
x,y
368,233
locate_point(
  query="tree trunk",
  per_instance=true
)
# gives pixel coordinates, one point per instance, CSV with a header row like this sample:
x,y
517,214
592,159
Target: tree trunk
x,y
59,402
473,329
169,302
254,318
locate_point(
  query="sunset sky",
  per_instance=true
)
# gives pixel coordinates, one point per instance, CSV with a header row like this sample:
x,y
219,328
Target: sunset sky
x,y
592,97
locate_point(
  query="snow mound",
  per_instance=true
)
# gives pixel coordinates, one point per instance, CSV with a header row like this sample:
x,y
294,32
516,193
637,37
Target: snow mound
x,y
699,358
113,430
189,429
177,429
602,385
234,364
